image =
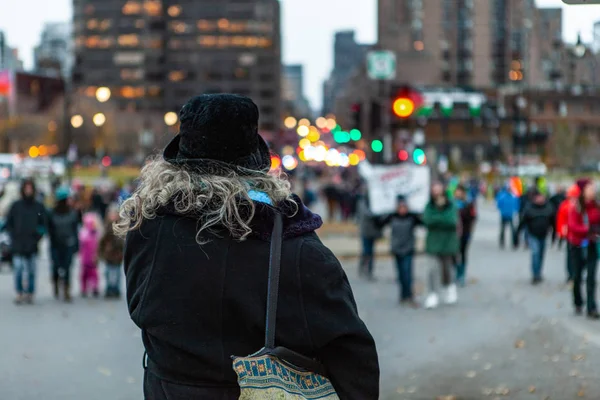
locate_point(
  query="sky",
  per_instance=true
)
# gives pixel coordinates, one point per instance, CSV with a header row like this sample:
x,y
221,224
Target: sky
x,y
308,27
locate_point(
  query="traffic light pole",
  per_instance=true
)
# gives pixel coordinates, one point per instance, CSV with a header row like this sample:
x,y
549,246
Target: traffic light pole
x,y
386,131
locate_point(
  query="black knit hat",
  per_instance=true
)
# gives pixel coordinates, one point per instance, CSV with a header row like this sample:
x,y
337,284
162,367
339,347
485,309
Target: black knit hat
x,y
218,134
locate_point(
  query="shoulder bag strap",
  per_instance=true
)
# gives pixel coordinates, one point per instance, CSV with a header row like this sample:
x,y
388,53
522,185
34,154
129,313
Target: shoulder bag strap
x,y
273,283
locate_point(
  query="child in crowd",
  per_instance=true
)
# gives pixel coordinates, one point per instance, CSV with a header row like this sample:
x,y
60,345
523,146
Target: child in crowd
x,y
403,225
88,242
111,251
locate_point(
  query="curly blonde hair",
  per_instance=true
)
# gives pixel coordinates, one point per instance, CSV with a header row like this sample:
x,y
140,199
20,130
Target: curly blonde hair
x,y
216,200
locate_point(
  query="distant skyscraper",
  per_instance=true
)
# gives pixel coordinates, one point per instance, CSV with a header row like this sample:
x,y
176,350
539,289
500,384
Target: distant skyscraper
x,y
154,55
348,55
292,91
9,56
54,54
596,43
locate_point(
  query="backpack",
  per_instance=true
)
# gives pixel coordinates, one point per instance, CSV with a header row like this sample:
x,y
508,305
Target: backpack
x,y
64,233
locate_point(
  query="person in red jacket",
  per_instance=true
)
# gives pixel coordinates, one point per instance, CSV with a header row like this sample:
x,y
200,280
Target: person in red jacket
x,y
561,223
583,226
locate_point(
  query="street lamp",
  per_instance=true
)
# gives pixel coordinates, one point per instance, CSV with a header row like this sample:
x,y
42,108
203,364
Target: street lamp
x,y
579,49
170,118
103,94
76,121
99,119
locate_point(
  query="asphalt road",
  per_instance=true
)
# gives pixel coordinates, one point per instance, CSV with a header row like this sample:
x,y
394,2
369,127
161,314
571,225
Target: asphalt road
x,y
503,340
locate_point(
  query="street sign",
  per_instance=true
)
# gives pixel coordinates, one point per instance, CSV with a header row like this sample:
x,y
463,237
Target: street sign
x,y
381,65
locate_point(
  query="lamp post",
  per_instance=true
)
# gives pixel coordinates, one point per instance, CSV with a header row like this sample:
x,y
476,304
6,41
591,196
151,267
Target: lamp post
x,y
579,51
99,119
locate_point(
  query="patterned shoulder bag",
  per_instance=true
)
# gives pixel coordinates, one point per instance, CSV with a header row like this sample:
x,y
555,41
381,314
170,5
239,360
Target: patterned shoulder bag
x,y
277,373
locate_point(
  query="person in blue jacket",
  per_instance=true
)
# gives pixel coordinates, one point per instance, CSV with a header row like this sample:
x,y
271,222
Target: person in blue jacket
x,y
508,206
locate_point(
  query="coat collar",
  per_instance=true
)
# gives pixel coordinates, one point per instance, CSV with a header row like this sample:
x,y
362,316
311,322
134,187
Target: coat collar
x,y
297,221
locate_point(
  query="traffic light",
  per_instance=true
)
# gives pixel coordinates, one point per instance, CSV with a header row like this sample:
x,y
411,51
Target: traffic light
x,y
403,155
419,157
377,146
403,107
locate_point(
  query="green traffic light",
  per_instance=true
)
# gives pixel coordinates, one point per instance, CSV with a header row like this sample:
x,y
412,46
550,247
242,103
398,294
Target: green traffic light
x,y
355,135
419,156
377,146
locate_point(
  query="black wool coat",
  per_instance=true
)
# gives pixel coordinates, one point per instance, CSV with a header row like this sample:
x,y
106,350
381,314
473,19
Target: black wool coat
x,y
198,305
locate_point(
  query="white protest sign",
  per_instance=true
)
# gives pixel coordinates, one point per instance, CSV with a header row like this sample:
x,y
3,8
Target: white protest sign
x,y
385,183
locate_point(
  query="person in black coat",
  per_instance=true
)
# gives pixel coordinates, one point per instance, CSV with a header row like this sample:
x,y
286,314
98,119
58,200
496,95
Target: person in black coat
x,y
26,223
197,257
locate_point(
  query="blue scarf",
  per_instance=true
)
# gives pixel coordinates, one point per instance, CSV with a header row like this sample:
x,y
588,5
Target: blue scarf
x,y
260,197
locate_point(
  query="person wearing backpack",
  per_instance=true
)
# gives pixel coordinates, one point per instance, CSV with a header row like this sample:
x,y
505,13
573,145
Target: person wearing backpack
x,y
64,243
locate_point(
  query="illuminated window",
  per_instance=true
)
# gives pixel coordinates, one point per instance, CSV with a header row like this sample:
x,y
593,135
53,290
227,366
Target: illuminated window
x,y
174,10
132,7
130,40
105,24
153,8
154,91
207,41
178,27
92,24
176,76
90,91
264,42
238,41
206,25
132,74
130,92
223,41
155,43
251,41
223,24
92,41
128,58
105,42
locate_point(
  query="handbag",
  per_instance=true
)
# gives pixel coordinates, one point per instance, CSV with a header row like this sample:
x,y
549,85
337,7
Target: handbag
x,y
276,372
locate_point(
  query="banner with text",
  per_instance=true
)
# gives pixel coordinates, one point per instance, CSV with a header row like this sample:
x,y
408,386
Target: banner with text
x,y
386,182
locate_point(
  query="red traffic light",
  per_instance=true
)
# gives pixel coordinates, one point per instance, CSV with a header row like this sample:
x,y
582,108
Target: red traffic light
x,y
403,107
403,155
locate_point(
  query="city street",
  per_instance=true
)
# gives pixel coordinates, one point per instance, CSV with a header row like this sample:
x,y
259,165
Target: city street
x,y
504,339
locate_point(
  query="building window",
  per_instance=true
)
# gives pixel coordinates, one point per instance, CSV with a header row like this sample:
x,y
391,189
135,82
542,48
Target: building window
x,y
130,92
132,74
154,91
206,25
105,24
131,8
174,11
131,40
177,76
154,43
92,24
223,24
178,27
90,91
92,42
128,58
153,8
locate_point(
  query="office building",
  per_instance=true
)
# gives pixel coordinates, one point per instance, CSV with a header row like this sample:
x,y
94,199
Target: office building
x,y
292,92
54,54
9,56
348,55
154,55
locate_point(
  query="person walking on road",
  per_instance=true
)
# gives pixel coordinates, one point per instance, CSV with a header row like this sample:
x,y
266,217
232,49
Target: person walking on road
x,y
583,230
26,224
198,235
562,228
111,251
370,231
537,220
508,206
442,223
89,240
468,215
63,224
403,242
556,200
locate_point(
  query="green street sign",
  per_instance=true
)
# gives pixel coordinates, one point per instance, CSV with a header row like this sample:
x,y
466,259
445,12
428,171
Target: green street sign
x,y
381,65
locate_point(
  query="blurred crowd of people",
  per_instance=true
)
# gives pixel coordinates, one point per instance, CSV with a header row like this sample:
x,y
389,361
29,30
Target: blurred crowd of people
x,y
568,215
77,220
449,219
